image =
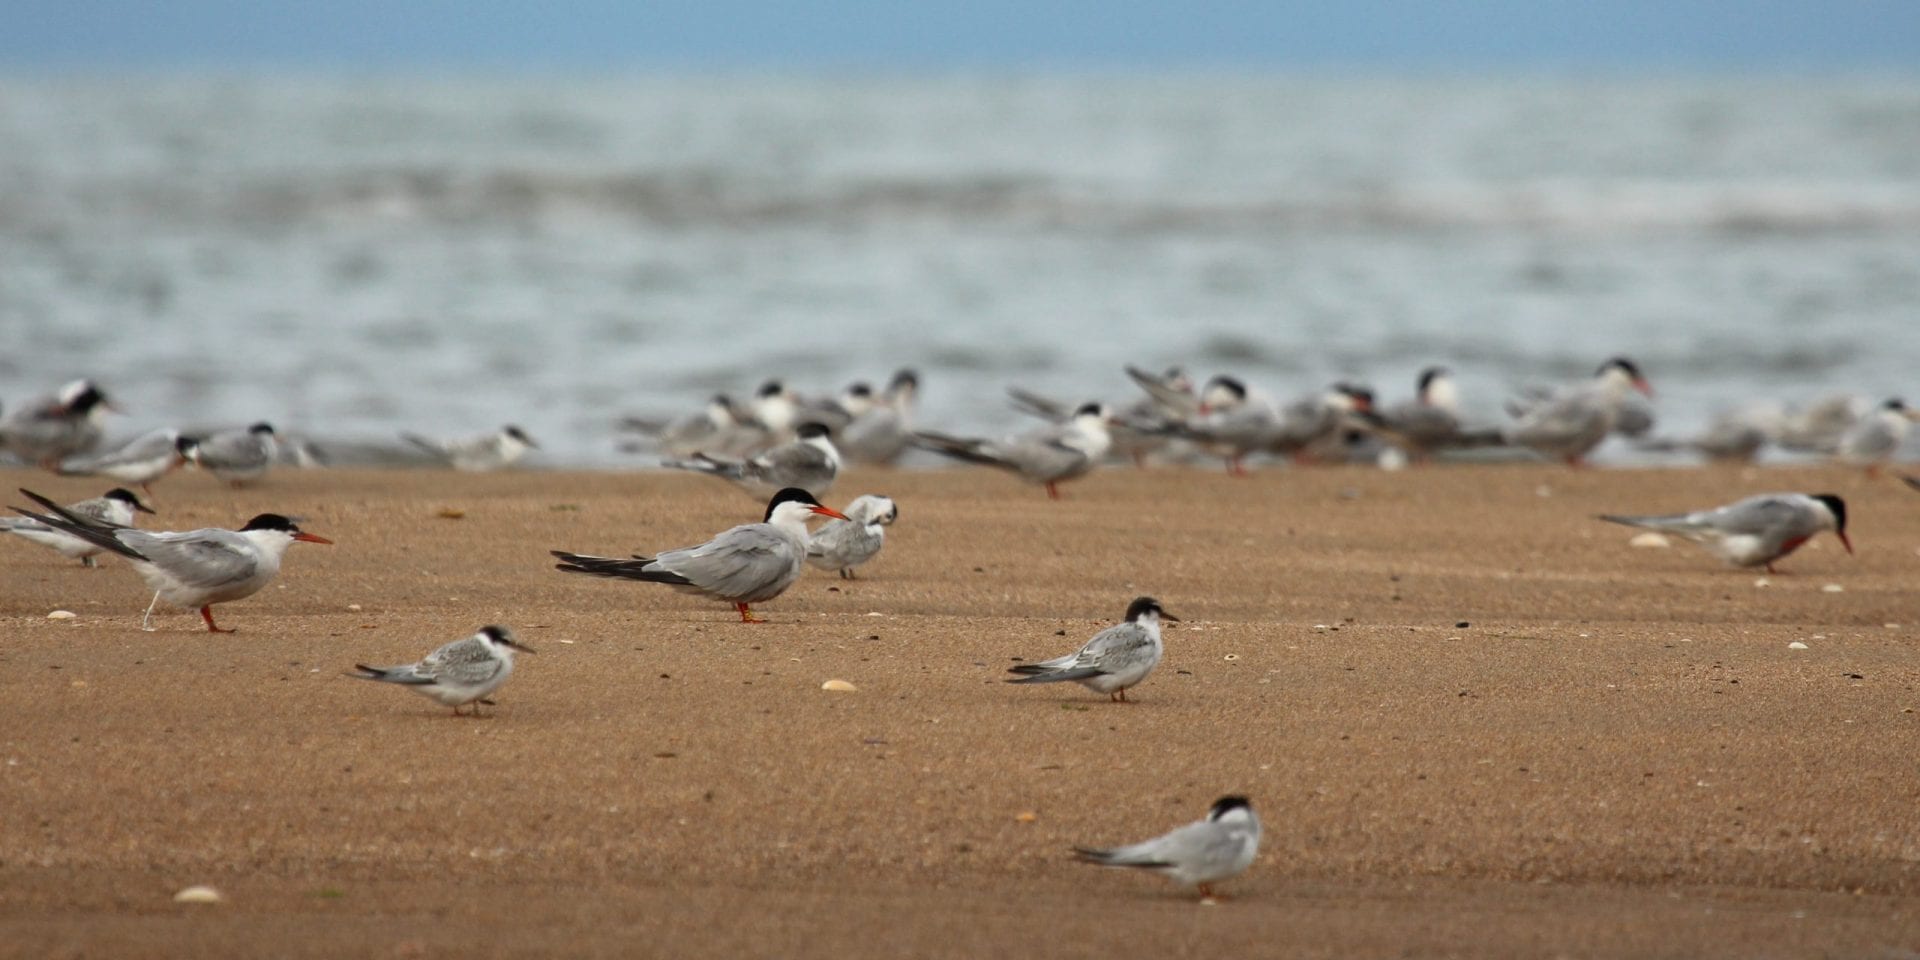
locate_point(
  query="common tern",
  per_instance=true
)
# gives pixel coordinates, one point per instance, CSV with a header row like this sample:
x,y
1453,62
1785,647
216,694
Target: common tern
x,y
1116,658
809,462
1137,431
1199,854
1732,436
1048,456
478,454
1430,423
195,569
1570,423
776,408
881,433
1754,532
1877,436
462,672
744,565
116,508
141,461
236,456
48,429
719,429
841,545
1817,427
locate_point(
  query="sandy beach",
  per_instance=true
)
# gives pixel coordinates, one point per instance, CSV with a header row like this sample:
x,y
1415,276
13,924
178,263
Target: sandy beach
x,y
1474,721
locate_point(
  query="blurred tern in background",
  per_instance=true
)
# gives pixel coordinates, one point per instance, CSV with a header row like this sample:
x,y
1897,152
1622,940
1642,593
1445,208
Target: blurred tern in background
x,y
478,454
116,508
1572,421
45,430
141,461
236,456
809,462
1049,456
1199,854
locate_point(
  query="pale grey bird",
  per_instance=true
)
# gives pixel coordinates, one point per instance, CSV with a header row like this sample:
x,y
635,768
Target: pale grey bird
x,y
1138,431
1732,436
236,456
1049,456
1874,440
195,569
1571,422
142,460
478,454
1116,658
1430,423
810,462
1818,426
884,431
116,508
462,672
1199,854
719,429
841,545
48,429
744,565
1756,531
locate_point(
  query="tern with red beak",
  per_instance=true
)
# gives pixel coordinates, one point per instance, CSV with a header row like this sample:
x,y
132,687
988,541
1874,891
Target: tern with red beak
x,y
1756,531
745,565
191,570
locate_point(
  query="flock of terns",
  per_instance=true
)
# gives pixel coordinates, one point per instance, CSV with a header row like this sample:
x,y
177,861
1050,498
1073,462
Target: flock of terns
x,y
788,450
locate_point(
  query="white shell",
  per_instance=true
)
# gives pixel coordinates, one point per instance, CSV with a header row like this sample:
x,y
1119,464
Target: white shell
x,y
1796,645
198,893
1650,539
62,615
838,686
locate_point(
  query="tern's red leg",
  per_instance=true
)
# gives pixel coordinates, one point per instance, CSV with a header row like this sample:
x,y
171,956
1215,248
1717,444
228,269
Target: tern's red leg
x,y
1235,467
1206,890
746,614
1053,492
206,613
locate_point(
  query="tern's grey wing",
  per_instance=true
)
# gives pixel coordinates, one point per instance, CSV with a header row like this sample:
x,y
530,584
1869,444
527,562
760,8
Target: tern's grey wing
x,y
148,446
793,460
1564,420
1170,399
98,510
200,558
1033,404
465,662
877,436
1199,848
239,451
833,537
1765,514
741,562
1116,648
1870,439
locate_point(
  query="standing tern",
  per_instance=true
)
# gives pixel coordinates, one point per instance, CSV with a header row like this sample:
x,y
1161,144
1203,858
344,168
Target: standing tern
x,y
488,451
1756,531
841,545
142,460
48,429
810,462
1048,456
744,565
884,430
461,672
114,509
1571,422
1116,658
198,568
235,456
1199,854
1876,437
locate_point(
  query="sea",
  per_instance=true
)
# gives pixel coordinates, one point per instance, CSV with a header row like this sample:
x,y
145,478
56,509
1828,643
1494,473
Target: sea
x,y
354,255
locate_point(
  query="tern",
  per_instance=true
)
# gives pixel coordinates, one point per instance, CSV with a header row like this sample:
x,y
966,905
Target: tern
x,y
882,432
235,456
195,569
1199,854
1876,437
1048,456
744,565
461,672
841,545
1571,422
142,460
1754,532
113,509
810,462
488,451
48,429
1116,658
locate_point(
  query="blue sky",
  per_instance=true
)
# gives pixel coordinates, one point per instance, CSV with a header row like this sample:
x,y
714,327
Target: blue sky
x,y
601,34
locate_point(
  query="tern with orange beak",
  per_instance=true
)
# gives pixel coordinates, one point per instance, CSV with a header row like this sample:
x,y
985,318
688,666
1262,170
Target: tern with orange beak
x,y
191,570
1756,531
744,565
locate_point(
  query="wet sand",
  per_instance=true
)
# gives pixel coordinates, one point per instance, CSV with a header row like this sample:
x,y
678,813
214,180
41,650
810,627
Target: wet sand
x,y
1475,722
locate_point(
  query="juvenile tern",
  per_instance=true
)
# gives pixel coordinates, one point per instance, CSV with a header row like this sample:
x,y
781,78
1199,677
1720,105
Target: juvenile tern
x,y
142,460
113,509
1570,423
461,672
841,545
1116,658
744,565
48,429
1048,456
235,456
1199,854
488,451
195,569
810,462
1756,531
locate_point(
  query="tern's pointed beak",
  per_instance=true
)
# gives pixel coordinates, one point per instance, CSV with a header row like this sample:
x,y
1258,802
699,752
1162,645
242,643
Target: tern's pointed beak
x,y
830,512
143,508
517,645
1641,384
311,537
1845,542
1169,617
